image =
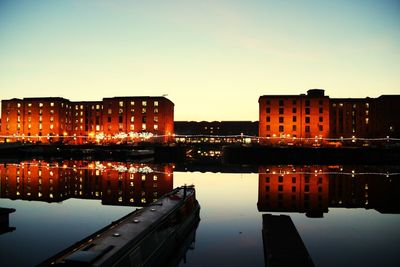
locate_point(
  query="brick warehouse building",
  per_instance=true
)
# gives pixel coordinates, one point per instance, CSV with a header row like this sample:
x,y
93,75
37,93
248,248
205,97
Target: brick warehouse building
x,y
117,119
314,118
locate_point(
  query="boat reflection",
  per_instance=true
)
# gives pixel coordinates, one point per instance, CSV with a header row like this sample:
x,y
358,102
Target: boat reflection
x,y
114,183
313,189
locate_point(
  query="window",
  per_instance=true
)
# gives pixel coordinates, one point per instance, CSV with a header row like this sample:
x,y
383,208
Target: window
x,y
121,103
29,104
132,127
51,111
120,126
51,126
97,107
321,110
294,110
267,188
52,104
280,187
280,179
294,118
293,179
293,189
267,179
155,119
143,110
156,103
307,103
280,110
307,111
268,110
155,110
306,188
108,119
40,105
307,179
120,111
132,119
321,119
294,128
268,118
294,101
268,102
321,128
144,119
143,126
307,119
281,128
321,102
307,129
280,102
109,111
268,127
280,119
120,119
18,105
155,127
144,103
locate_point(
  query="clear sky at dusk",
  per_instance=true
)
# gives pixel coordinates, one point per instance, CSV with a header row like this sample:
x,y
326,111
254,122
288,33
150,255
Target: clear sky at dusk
x,y
213,58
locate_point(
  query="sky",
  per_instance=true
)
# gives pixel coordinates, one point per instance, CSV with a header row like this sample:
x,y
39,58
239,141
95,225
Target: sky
x,y
212,58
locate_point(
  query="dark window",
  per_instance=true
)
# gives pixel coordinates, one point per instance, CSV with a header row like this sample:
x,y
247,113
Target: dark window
x,y
293,179
280,102
293,189
268,110
294,118
321,119
320,189
109,119
307,102
321,110
307,179
268,102
280,110
143,119
321,102
268,118
280,128
268,127
120,119
321,128
280,179
306,189
267,179
307,111
307,119
294,110
294,101
294,128
280,187
280,119
320,180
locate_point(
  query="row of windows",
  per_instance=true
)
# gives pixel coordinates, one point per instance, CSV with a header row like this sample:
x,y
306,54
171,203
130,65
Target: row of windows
x,y
294,119
132,127
144,103
121,111
280,188
306,179
281,128
294,110
294,102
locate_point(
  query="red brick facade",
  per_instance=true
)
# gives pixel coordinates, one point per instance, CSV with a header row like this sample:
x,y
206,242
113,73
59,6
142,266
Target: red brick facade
x,y
118,119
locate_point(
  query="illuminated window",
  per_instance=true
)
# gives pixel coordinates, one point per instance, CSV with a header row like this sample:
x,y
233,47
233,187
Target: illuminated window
x,y
156,103
51,119
120,126
155,110
40,126
29,104
366,112
52,104
143,126
52,111
281,129
29,126
155,127
132,127
97,106
155,119
367,105
29,111
40,104
51,126
97,127
366,120
132,111
19,105
340,104
334,105
18,126
81,113
132,119
109,111
144,103
29,119
132,103
121,103
143,110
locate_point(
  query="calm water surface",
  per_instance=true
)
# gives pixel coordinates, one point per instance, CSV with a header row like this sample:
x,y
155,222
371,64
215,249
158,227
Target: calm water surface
x,y
345,215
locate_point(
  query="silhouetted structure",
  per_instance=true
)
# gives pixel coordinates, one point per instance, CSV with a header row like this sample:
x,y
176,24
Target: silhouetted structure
x,y
4,220
283,246
118,119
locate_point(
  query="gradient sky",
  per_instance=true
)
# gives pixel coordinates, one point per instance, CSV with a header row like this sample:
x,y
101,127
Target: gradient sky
x,y
213,58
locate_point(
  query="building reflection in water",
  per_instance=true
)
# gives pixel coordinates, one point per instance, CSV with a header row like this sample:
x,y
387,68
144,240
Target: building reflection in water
x,y
115,183
313,189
